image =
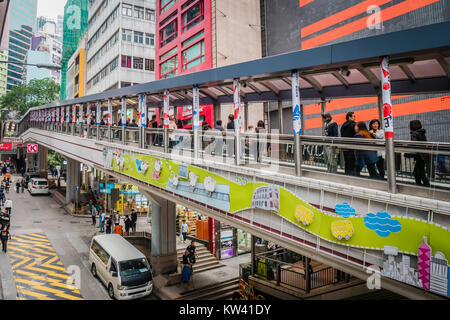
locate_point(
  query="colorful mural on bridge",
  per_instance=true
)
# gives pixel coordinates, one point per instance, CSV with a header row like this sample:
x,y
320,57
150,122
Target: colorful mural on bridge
x,y
370,231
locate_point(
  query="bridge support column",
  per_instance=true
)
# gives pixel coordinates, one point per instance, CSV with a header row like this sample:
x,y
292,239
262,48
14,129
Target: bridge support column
x,y
73,182
43,161
164,249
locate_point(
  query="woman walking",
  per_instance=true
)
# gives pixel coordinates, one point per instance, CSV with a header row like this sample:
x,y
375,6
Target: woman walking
x,y
377,133
368,158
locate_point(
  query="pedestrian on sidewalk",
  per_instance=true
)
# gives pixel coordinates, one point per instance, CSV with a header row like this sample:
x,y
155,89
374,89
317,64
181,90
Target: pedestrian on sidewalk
x,y
102,221
2,196
8,206
116,218
109,223
133,220
90,205
5,236
128,224
17,186
184,230
94,215
7,186
23,184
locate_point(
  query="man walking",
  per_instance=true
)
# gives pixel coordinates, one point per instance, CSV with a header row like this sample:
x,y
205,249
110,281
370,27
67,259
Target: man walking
x,y
5,236
330,130
128,224
94,215
133,221
348,131
109,224
184,230
102,221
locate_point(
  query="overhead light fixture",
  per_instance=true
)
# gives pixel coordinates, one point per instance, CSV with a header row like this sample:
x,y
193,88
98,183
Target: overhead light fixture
x,y
345,72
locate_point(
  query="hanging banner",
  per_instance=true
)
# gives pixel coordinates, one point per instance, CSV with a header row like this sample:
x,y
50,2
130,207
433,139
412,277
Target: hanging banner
x,y
53,114
196,107
387,103
166,109
80,114
58,120
109,112
98,113
296,114
237,103
74,114
88,114
123,114
143,111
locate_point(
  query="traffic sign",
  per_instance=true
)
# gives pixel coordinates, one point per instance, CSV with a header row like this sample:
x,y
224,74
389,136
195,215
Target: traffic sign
x,y
32,148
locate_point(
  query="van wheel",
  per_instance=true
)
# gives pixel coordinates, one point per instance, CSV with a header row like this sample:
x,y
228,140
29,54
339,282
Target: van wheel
x,y
111,291
94,270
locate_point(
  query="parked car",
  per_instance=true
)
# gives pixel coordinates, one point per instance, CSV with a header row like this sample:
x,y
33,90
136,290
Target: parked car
x,y
122,268
38,186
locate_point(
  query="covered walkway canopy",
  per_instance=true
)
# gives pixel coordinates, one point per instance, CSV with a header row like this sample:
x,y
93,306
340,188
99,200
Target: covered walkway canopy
x,y
419,63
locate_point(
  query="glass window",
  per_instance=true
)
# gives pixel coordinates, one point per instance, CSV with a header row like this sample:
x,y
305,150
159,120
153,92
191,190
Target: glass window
x,y
193,16
149,39
133,267
193,39
100,252
168,54
138,37
126,61
194,55
168,33
149,15
126,35
149,64
138,63
166,4
127,9
138,12
169,68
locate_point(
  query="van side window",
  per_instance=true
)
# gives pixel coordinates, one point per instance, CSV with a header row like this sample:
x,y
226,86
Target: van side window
x,y
113,267
100,252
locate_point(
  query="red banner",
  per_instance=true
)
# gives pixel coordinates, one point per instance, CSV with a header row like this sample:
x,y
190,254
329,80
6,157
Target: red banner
x,y
6,147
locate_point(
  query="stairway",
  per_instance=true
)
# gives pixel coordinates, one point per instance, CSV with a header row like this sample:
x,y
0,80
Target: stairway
x,y
219,291
205,261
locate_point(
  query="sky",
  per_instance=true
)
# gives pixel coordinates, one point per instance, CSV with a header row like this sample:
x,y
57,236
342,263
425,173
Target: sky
x,y
50,8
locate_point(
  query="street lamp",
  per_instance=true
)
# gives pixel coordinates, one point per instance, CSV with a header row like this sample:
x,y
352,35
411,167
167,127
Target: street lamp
x,y
53,67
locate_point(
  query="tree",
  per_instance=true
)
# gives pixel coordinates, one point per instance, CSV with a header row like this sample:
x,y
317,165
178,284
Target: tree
x,y
54,159
23,97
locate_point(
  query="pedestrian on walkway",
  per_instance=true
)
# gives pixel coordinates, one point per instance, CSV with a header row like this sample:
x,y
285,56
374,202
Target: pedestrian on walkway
x,y
192,254
109,223
418,134
102,221
90,205
116,218
187,267
367,158
17,186
2,195
377,133
331,130
128,224
5,236
7,186
133,220
184,230
348,131
8,206
94,215
23,185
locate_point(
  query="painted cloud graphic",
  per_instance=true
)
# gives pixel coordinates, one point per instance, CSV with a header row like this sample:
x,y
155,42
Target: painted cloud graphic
x,y
345,210
382,223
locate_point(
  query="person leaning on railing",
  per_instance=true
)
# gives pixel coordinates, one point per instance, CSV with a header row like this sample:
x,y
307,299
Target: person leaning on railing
x,y
365,157
348,131
331,130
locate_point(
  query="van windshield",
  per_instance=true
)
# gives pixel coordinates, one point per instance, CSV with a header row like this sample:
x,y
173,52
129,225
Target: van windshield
x,y
133,267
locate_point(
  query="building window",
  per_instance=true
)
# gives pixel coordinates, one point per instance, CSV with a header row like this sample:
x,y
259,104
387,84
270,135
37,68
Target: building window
x,y
166,4
193,16
194,56
138,37
127,10
138,12
126,35
168,33
138,63
169,68
126,61
149,64
149,39
149,15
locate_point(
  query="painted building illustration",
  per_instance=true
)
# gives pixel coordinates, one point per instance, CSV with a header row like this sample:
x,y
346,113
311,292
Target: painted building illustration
x,y
266,198
439,274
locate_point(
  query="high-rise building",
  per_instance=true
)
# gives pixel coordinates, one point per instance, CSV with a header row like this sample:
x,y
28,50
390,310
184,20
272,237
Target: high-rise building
x,y
21,27
194,35
74,28
76,71
299,25
59,27
3,71
121,44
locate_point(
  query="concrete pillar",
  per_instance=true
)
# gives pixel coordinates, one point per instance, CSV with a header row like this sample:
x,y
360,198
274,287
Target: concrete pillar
x,y
217,112
73,180
164,249
280,116
43,161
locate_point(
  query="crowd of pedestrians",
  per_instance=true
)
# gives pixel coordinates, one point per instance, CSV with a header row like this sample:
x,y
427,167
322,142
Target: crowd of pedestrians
x,y
374,161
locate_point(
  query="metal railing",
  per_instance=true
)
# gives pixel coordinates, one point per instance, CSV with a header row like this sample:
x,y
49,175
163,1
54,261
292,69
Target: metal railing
x,y
276,151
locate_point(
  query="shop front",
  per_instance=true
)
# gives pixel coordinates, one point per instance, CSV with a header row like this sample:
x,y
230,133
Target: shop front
x,y
126,199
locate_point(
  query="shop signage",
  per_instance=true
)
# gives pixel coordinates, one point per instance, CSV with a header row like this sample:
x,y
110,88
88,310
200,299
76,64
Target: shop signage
x,y
32,148
123,188
12,140
6,146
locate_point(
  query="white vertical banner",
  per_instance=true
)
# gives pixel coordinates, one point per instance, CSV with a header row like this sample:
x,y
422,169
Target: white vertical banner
x,y
196,107
296,114
74,114
63,116
387,103
67,114
98,113
58,120
40,115
166,109
80,114
53,114
123,113
237,104
88,114
109,112
143,117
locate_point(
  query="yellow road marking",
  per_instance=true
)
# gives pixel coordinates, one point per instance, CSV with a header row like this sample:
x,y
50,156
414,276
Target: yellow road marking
x,y
47,264
26,260
22,236
28,253
36,276
34,294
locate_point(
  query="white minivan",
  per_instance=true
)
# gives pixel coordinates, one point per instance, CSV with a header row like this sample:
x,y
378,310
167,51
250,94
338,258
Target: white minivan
x,y
122,268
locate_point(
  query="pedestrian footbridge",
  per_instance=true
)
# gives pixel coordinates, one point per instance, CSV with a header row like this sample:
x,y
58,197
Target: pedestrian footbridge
x,y
279,187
